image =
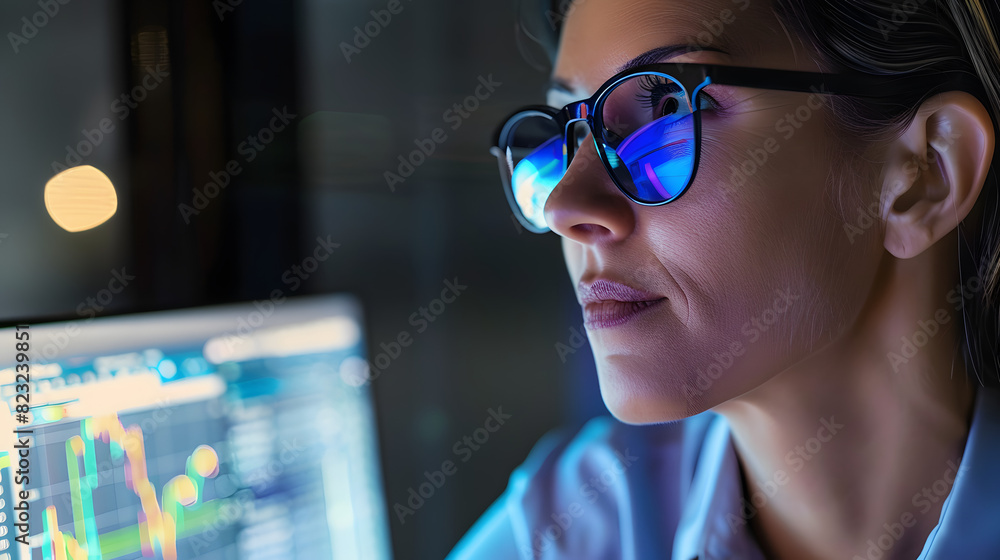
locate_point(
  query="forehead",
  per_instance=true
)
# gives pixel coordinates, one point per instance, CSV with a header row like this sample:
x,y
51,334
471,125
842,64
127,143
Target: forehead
x,y
601,36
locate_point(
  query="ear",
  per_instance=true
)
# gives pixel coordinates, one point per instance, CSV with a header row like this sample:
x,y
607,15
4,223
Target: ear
x,y
935,171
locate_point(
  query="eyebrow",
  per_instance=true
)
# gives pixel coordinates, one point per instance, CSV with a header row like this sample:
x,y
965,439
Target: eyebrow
x,y
652,56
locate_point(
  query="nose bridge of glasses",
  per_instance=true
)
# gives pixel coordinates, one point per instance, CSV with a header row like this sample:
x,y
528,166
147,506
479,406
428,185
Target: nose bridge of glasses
x,y
576,111
576,118
575,134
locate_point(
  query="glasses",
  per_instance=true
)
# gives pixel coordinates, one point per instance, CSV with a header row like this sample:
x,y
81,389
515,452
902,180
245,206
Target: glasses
x,y
646,125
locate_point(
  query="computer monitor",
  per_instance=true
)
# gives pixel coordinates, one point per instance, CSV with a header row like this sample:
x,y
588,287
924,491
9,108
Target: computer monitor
x,y
233,432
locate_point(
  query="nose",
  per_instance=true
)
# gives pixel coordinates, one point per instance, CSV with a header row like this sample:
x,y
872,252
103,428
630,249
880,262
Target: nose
x,y
586,206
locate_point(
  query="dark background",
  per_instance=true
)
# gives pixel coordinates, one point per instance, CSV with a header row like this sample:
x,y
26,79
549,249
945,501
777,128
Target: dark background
x,y
229,66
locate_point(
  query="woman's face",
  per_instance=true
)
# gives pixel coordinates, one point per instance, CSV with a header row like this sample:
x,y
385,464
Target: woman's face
x,y
749,272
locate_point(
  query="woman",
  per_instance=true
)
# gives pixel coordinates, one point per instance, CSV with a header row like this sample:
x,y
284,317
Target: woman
x,y
798,256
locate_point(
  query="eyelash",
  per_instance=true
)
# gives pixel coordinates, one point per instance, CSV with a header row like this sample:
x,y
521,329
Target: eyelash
x,y
653,86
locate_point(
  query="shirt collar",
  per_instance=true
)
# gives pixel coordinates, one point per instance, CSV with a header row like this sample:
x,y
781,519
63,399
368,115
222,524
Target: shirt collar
x,y
965,528
714,523
709,529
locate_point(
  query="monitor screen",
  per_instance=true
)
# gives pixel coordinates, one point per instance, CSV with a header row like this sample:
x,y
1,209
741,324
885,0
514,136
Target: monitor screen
x,y
235,432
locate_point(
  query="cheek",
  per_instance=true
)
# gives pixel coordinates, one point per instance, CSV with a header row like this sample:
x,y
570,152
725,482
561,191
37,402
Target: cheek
x,y
776,218
767,271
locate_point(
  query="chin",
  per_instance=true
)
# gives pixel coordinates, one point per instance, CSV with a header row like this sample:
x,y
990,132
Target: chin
x,y
645,399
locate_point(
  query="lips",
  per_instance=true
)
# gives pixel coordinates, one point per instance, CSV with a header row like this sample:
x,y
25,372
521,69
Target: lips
x,y
609,304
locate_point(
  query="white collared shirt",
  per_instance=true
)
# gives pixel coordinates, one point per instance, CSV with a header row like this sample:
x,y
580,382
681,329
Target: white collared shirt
x,y
673,491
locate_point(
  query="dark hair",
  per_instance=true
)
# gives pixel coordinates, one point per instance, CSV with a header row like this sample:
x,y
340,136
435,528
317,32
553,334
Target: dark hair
x,y
888,37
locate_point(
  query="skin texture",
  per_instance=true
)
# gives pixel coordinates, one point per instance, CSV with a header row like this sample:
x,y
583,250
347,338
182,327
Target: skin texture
x,y
777,315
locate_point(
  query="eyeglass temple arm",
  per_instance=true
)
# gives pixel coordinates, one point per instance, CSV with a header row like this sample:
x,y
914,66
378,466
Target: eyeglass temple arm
x,y
856,85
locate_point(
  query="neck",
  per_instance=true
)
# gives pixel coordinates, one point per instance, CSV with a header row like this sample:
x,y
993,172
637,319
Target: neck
x,y
854,446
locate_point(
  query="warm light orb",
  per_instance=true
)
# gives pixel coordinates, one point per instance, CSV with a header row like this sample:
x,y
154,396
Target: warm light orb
x,y
80,198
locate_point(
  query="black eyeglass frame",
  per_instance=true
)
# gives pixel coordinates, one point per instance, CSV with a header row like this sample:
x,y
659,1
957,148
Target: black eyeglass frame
x,y
694,78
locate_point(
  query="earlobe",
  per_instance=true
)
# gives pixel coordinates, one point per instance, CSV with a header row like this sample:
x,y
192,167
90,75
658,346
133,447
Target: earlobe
x,y
935,172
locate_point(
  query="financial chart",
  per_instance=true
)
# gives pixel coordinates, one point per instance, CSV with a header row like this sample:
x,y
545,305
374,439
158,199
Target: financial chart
x,y
222,447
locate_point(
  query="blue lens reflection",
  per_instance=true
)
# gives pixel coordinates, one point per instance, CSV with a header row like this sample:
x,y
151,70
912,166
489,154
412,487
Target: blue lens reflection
x,y
535,177
659,158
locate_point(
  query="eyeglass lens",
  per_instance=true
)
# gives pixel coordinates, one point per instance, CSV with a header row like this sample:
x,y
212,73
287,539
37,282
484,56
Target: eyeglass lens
x,y
647,133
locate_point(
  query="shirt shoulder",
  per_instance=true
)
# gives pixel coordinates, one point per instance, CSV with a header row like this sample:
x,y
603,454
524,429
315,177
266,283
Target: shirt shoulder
x,y
607,490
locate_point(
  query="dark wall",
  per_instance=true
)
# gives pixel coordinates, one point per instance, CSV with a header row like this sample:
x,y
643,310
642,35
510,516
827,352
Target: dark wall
x,y
495,345
322,176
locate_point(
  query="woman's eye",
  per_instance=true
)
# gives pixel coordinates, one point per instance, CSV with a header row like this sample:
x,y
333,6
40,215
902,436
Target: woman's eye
x,y
669,106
